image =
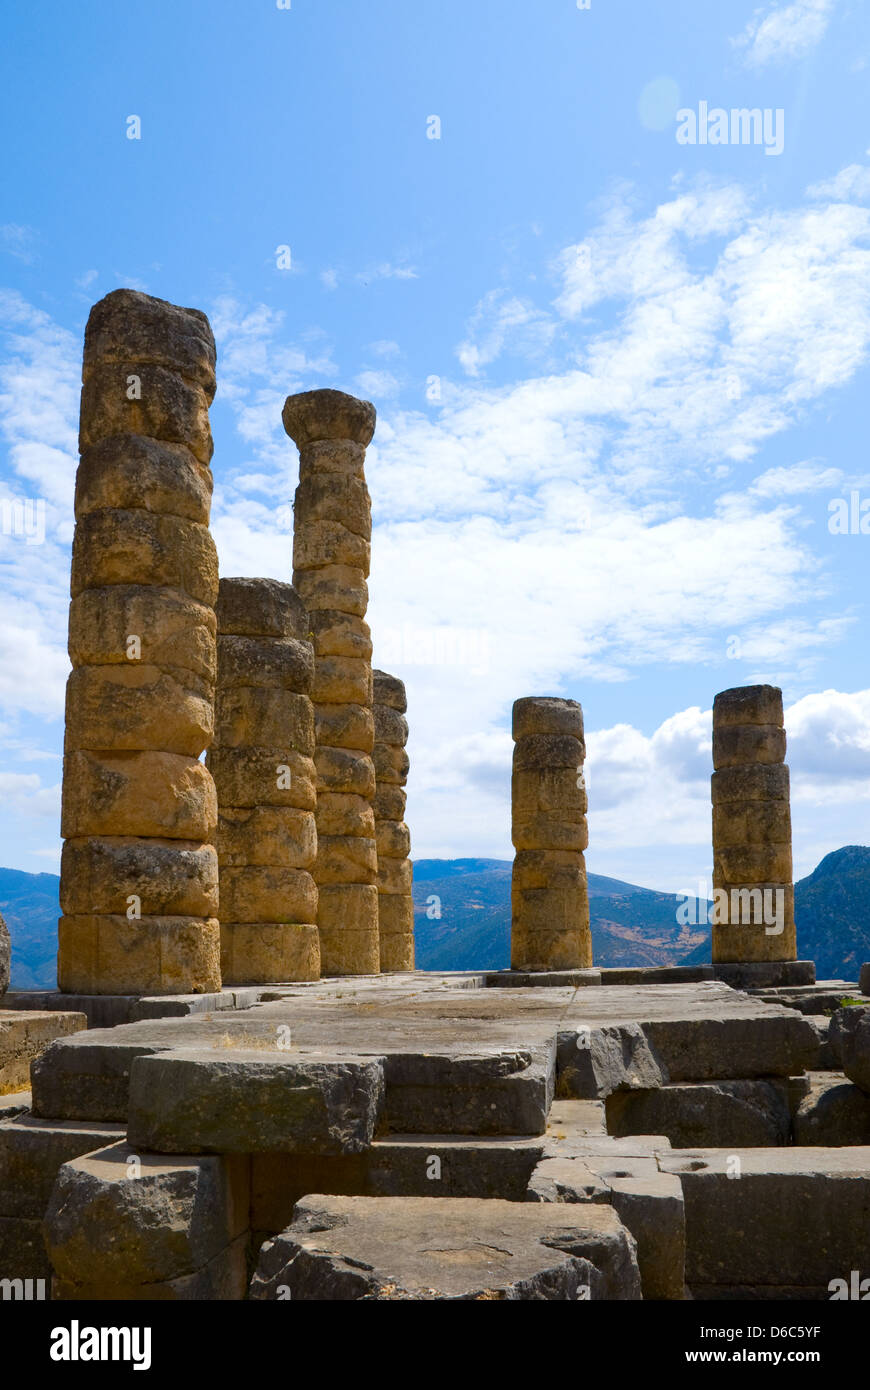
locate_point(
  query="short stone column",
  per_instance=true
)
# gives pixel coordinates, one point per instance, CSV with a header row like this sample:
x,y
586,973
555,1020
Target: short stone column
x,y
331,551
138,876
753,914
395,870
262,760
549,895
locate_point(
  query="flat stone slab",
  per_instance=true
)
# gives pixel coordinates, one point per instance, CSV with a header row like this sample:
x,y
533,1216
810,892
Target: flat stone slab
x,y
773,1218
655,974
542,979
432,1034
243,1101
112,1010
25,1036
431,1249
760,974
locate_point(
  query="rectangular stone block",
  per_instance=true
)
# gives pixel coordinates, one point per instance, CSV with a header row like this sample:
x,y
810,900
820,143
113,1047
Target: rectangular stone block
x,y
748,704
339,588
261,608
549,752
393,839
251,717
546,830
170,878
317,543
23,1257
342,770
175,632
247,1101
346,859
739,745
166,795
340,634
128,324
396,914
269,952
389,802
121,1214
251,777
268,893
392,764
151,955
395,876
553,791
343,950
343,813
754,783
760,925
132,472
503,1091
749,864
391,727
794,1217
136,707
396,951
249,835
265,662
340,498
136,547
752,823
24,1036
166,406
345,726
342,680
567,948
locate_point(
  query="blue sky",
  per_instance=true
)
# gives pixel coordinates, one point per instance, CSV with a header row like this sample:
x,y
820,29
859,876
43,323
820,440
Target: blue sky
x,y
620,379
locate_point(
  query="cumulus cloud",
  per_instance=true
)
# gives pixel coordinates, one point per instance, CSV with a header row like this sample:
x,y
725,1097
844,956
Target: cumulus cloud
x,y
851,184
780,33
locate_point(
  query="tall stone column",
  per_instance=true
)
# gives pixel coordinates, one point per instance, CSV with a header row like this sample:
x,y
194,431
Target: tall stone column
x,y
752,868
331,552
549,895
395,870
262,760
139,870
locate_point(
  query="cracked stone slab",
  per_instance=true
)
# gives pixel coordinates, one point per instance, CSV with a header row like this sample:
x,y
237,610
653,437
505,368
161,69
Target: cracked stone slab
x,y
789,1217
244,1101
594,1062
834,1112
647,1201
120,1218
452,1249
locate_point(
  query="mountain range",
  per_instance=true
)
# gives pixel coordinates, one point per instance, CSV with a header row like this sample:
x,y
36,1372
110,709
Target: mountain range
x,y
462,919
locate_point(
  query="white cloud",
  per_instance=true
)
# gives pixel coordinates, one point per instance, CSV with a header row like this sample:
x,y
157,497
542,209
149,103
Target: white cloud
x,y
386,270
779,33
851,184
18,241
809,476
501,321
379,385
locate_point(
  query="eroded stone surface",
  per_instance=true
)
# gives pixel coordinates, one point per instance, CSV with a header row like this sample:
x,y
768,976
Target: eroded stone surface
x,y
381,1249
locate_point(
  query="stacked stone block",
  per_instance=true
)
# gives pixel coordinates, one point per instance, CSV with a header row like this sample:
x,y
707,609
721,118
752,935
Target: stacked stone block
x,y
139,885
549,896
395,871
331,552
751,826
262,763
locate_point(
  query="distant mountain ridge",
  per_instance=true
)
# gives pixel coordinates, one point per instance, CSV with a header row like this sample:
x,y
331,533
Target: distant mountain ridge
x,y
462,919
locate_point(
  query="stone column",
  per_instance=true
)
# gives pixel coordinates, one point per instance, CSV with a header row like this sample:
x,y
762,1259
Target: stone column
x,y
751,829
139,870
331,551
262,763
395,870
549,896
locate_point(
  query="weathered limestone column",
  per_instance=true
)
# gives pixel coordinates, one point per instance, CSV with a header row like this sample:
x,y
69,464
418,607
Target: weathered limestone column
x,y
263,767
331,552
751,828
549,896
139,869
395,870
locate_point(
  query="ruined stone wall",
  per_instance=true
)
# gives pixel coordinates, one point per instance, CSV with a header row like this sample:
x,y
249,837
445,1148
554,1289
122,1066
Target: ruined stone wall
x,y
139,870
262,763
549,896
395,871
331,553
752,827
